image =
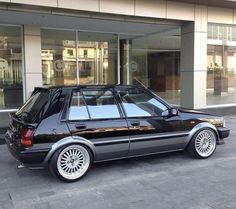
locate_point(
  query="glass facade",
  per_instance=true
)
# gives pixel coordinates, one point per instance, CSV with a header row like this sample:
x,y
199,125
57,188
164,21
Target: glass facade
x,y
97,58
221,65
58,57
11,89
153,60
71,57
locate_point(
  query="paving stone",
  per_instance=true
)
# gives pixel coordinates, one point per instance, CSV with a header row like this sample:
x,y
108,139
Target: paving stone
x,y
173,181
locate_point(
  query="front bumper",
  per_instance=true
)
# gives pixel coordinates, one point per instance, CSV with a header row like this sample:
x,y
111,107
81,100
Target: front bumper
x,y
223,132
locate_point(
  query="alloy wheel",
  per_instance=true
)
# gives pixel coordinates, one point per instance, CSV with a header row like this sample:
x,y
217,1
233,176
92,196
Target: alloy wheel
x,y
73,162
205,143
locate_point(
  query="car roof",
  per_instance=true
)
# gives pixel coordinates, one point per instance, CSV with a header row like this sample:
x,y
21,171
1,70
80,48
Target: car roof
x,y
88,86
97,87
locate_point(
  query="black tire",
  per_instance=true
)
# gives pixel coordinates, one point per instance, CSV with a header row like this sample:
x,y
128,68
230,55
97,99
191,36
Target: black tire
x,y
78,161
195,145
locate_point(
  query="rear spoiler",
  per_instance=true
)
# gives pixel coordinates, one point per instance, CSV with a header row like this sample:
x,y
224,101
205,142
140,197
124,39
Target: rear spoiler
x,y
36,89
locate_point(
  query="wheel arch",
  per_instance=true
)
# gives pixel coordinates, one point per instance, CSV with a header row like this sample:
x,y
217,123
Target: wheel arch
x,y
68,141
199,127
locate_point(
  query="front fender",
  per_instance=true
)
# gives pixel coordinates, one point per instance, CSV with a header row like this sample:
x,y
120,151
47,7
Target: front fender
x,y
67,141
198,127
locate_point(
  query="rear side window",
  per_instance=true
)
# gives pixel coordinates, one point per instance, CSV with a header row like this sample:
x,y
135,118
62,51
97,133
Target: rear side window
x,y
78,109
101,104
32,107
93,104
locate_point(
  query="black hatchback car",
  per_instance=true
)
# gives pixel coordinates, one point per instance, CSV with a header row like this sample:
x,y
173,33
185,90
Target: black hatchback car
x,y
69,127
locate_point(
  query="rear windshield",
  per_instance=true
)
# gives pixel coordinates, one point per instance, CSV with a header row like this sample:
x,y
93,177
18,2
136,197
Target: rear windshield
x,y
30,112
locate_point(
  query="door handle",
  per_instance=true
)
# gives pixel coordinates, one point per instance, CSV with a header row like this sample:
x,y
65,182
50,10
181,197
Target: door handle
x,y
135,123
80,126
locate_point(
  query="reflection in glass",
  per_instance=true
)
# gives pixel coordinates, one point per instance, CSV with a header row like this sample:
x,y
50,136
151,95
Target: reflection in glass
x,y
11,90
97,57
140,104
221,65
78,109
154,60
58,57
101,104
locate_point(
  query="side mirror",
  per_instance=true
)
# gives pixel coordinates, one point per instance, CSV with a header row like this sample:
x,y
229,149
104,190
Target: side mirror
x,y
170,112
173,111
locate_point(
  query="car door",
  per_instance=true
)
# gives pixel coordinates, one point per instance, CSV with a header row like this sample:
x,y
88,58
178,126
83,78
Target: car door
x,y
95,116
151,129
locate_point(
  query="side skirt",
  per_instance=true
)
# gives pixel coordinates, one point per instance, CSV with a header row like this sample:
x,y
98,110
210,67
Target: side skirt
x,y
133,156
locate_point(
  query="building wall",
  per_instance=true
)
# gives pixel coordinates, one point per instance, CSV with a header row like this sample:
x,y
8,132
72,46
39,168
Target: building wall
x,y
193,66
144,8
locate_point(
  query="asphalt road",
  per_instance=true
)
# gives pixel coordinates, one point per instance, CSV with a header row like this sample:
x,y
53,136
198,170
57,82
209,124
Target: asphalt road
x,y
170,181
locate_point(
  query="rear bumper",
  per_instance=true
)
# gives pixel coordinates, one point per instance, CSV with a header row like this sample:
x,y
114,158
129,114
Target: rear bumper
x,y
223,132
31,156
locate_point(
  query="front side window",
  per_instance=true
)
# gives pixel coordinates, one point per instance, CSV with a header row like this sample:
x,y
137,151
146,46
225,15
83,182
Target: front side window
x,y
140,104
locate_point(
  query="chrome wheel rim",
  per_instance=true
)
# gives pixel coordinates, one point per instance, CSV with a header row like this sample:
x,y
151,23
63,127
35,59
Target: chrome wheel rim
x,y
73,162
205,143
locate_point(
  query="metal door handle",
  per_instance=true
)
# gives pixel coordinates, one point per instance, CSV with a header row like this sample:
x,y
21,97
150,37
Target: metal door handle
x,y
80,126
135,123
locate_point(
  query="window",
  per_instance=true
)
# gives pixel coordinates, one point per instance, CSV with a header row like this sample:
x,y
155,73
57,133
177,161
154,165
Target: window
x,y
78,109
34,105
11,89
65,64
139,104
101,104
154,60
58,57
221,67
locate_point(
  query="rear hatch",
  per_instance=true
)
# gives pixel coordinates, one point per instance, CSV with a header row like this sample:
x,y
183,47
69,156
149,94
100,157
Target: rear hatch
x,y
24,122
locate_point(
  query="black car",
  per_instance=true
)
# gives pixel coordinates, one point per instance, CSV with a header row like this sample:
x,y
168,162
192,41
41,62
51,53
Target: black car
x,y
70,127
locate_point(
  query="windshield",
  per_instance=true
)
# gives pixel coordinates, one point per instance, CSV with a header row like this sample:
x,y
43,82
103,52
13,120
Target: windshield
x,y
29,112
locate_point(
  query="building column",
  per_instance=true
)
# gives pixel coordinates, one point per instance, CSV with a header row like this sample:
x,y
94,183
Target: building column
x,y
32,58
194,60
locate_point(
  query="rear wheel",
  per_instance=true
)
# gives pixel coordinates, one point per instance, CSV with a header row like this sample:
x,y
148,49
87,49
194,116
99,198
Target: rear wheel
x,y
70,163
203,143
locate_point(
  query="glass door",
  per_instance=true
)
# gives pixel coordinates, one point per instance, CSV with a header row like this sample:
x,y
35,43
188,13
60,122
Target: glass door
x,y
153,60
97,58
58,57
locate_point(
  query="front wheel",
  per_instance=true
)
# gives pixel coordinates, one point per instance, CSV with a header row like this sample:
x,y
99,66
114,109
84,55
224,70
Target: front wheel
x,y
70,163
203,143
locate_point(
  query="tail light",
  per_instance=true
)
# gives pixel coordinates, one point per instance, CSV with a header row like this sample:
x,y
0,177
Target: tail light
x,y
27,137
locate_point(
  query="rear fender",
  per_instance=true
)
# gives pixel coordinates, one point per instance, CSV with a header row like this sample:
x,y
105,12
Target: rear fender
x,y
67,141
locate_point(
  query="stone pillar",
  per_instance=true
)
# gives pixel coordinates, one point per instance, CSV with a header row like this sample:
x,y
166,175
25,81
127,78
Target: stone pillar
x,y
194,60
32,58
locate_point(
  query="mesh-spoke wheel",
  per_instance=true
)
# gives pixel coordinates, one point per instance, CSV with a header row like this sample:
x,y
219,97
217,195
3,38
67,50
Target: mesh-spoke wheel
x,y
203,143
71,163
